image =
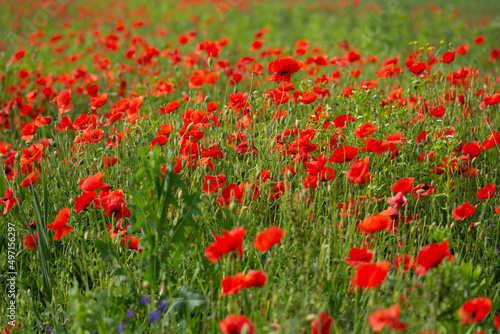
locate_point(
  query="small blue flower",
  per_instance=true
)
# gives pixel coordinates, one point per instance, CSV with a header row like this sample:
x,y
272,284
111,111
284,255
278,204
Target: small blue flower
x,y
122,327
130,313
163,305
154,317
145,300
49,330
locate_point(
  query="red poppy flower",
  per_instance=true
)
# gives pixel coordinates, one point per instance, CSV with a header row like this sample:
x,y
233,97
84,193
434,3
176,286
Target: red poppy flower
x,y
232,284
283,68
42,120
28,130
30,179
170,107
307,98
84,200
474,310
343,153
375,223
109,161
365,129
479,40
236,324
92,135
323,325
405,262
98,101
448,57
431,256
59,225
359,256
8,201
62,101
492,140
438,111
397,201
131,242
370,275
463,211
418,68
375,146
388,317
213,183
488,191
497,210
118,230
358,172
496,321
268,238
388,71
403,185
30,243
115,205
227,243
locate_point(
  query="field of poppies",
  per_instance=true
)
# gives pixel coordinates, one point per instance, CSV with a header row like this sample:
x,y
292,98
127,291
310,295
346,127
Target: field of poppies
x,y
238,166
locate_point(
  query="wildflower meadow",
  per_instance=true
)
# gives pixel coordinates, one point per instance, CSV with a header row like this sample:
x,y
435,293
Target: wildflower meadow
x,y
247,167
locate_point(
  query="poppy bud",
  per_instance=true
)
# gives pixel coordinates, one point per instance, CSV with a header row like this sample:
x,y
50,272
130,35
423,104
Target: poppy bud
x,y
18,155
3,156
257,175
452,225
146,285
297,123
245,329
206,168
210,61
190,126
163,288
179,194
310,317
232,206
71,201
206,99
86,235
